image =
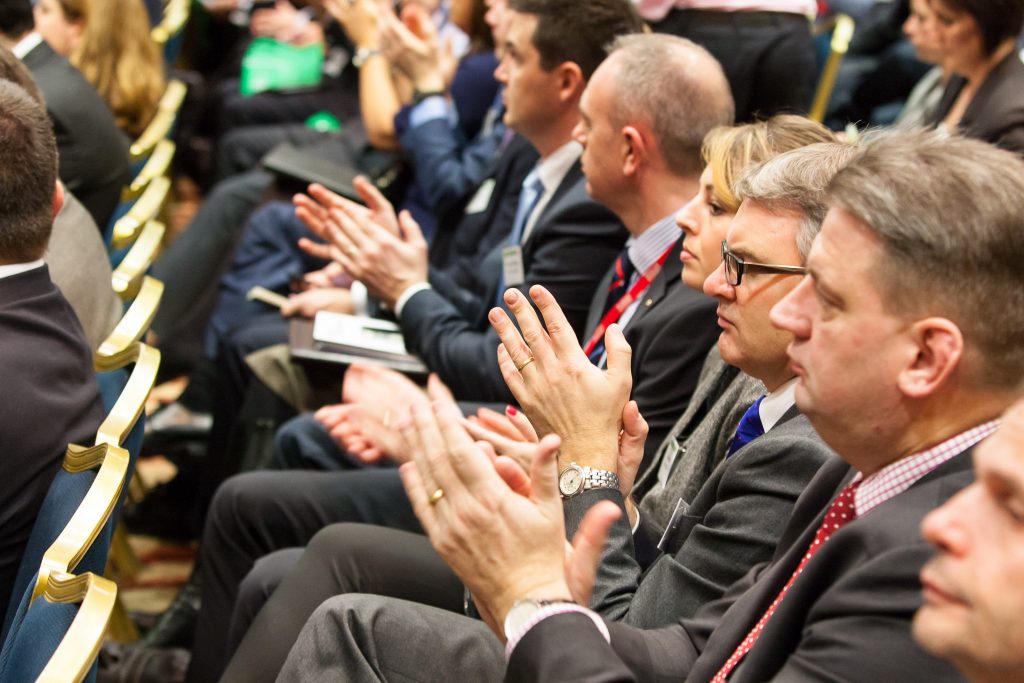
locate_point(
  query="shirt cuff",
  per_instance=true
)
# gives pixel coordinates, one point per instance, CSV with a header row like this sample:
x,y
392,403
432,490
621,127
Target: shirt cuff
x,y
550,611
409,293
637,524
360,298
434,107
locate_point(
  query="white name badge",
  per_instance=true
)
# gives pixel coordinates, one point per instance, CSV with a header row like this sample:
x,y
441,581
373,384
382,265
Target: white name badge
x,y
512,266
482,197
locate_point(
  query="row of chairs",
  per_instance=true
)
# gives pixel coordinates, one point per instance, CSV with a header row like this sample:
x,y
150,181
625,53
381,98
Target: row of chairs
x,y
62,606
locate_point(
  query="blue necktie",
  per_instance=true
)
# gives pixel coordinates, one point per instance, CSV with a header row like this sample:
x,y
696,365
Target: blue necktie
x,y
617,289
533,188
750,428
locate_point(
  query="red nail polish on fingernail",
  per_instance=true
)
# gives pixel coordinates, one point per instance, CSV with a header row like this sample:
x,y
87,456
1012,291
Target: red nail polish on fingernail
x,y
511,411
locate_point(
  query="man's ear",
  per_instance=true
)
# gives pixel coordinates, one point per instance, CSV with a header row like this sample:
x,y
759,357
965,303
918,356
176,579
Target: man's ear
x,y
635,150
58,198
939,345
571,82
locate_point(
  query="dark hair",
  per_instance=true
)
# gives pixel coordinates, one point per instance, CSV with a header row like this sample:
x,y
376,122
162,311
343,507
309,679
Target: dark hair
x,y
13,70
16,18
28,172
578,31
997,19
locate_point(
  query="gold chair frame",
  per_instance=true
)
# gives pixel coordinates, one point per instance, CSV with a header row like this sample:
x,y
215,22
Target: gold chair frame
x,y
842,28
132,325
127,278
80,646
158,164
146,208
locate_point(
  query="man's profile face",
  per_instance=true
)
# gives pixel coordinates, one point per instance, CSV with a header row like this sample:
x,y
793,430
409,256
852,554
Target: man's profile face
x,y
973,611
602,142
530,91
749,340
847,350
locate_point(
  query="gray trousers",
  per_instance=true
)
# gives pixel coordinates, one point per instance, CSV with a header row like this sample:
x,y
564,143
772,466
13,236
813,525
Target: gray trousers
x,y
372,638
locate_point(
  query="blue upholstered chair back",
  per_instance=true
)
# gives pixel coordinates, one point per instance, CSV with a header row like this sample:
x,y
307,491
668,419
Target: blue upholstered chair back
x,y
63,498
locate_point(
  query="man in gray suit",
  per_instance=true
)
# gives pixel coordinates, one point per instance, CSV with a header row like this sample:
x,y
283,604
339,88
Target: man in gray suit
x,y
932,295
710,540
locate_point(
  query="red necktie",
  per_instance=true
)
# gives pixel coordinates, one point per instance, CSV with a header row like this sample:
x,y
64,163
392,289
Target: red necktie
x,y
839,513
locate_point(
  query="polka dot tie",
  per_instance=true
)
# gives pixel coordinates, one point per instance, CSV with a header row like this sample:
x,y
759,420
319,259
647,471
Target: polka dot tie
x,y
839,513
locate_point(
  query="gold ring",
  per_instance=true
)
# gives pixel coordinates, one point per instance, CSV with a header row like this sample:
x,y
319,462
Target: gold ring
x,y
525,363
436,496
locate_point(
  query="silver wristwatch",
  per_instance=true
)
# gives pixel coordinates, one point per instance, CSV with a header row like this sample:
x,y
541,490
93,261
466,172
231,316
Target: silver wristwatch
x,y
575,478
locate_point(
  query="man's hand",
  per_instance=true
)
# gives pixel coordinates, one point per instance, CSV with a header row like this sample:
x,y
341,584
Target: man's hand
x,y
411,44
560,390
385,263
359,18
313,208
306,304
504,544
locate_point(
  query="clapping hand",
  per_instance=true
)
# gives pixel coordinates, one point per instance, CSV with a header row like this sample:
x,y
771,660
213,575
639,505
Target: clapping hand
x,y
499,530
560,390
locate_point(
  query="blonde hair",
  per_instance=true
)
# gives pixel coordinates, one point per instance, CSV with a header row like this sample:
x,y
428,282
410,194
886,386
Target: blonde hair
x,y
117,55
728,150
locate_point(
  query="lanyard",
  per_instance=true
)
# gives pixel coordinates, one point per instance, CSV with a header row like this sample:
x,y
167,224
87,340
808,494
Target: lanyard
x,y
616,311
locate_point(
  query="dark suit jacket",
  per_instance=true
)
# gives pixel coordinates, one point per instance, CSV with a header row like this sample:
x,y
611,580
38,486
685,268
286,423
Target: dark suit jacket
x,y
996,112
572,243
456,251
733,523
670,334
50,397
93,152
846,618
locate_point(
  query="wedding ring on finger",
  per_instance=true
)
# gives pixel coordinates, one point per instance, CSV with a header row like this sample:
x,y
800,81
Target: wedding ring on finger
x,y
437,495
525,363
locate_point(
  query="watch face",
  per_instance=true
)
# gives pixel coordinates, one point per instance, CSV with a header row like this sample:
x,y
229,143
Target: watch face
x,y
570,481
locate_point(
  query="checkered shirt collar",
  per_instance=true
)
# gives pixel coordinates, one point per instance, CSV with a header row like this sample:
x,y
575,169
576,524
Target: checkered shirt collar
x,y
896,478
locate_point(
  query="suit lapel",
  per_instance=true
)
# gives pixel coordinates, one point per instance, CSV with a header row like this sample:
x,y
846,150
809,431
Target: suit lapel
x,y
571,179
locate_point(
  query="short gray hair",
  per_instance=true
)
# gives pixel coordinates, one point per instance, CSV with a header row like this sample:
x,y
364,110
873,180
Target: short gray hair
x,y
947,213
678,88
797,181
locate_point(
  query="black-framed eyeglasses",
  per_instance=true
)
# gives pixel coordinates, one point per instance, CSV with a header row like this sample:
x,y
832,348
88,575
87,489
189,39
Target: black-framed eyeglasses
x,y
735,267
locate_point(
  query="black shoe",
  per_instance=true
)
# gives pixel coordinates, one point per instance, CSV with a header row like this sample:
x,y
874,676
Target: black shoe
x,y
137,663
172,425
177,625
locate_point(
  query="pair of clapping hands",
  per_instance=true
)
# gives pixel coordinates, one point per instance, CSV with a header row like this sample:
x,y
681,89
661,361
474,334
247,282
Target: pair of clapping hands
x,y
409,42
491,507
384,251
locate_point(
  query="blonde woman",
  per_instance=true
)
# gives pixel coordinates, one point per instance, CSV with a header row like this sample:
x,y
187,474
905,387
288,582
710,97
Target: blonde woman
x,y
108,41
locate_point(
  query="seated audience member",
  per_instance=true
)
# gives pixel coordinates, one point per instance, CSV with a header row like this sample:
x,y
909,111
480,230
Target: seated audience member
x,y
76,254
838,597
984,98
765,47
734,520
92,152
50,393
973,596
108,41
